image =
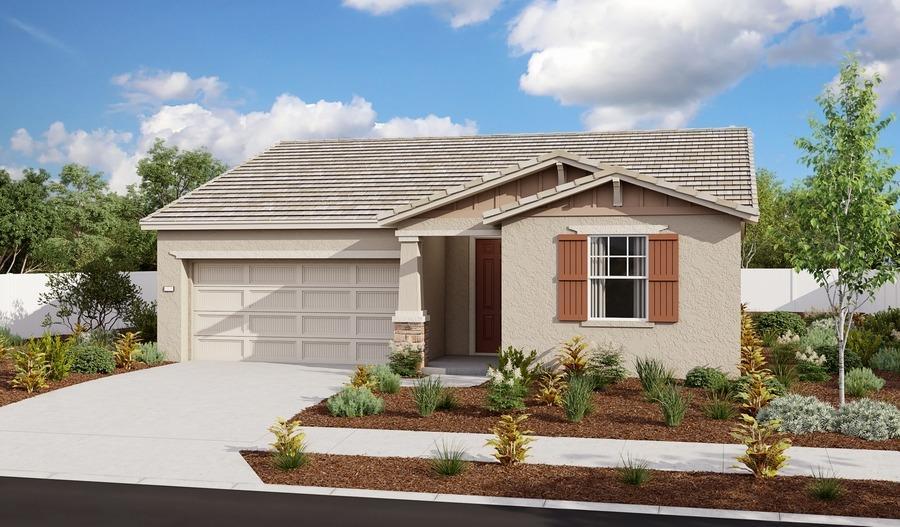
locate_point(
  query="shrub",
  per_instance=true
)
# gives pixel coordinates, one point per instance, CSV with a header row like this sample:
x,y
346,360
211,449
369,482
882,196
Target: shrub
x,y
30,368
386,381
506,390
550,387
354,402
449,460
811,365
786,374
756,390
405,361
91,358
515,358
126,350
142,317
149,354
779,323
864,343
673,403
764,456
605,365
859,382
633,472
819,334
719,408
363,377
289,445
887,359
574,355
851,359
653,375
868,419
9,338
883,323
705,377
58,355
447,400
799,414
577,400
428,393
97,297
825,488
510,441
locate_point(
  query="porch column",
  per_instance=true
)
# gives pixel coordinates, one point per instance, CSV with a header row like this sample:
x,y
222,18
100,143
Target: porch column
x,y
411,319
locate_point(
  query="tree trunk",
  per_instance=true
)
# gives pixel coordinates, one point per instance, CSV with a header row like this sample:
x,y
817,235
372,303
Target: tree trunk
x,y
842,345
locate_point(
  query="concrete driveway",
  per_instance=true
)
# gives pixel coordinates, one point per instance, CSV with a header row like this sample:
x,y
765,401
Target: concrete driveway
x,y
176,424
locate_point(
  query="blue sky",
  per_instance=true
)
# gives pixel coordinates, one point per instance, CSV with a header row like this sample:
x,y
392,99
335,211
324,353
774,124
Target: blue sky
x,y
115,75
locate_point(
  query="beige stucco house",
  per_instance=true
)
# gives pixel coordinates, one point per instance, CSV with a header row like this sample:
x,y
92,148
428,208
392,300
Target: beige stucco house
x,y
325,251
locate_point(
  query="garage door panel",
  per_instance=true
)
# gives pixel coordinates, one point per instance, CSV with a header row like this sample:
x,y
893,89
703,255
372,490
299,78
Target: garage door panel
x,y
272,300
372,352
327,326
273,325
377,275
273,350
273,274
328,274
376,301
374,327
219,299
218,349
328,351
219,273
219,324
326,300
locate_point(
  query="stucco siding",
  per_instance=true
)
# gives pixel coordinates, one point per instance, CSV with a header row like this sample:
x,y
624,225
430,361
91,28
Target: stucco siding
x,y
433,264
708,329
456,301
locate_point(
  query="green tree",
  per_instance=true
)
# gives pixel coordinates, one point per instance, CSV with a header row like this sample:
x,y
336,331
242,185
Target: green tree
x,y
763,244
25,219
846,210
168,173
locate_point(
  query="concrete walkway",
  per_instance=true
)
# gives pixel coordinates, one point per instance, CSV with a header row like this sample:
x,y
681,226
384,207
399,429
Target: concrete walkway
x,y
662,455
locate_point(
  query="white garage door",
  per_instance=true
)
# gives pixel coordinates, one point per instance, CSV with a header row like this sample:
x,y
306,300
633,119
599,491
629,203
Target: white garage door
x,y
336,312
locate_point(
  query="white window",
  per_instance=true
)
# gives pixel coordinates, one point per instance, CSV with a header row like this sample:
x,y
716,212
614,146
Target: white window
x,y
617,277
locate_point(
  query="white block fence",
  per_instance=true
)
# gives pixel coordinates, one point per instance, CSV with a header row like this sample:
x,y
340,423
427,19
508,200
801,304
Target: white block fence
x,y
761,290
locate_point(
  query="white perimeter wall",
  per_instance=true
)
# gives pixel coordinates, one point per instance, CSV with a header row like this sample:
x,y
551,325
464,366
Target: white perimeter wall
x,y
761,290
23,315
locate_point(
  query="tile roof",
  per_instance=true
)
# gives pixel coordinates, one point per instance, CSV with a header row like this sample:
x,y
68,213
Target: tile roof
x,y
358,180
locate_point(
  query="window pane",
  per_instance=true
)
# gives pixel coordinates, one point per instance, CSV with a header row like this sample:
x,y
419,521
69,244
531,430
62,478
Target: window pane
x,y
597,266
636,246
624,298
594,298
598,246
618,267
618,245
636,266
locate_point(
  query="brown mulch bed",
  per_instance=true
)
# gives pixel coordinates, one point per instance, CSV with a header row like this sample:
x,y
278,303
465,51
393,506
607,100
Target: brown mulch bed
x,y
620,412
680,489
9,395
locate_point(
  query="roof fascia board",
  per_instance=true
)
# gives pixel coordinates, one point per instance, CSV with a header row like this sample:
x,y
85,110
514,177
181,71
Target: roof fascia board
x,y
235,226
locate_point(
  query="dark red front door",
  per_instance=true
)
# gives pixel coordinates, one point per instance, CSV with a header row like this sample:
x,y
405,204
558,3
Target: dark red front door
x,y
487,295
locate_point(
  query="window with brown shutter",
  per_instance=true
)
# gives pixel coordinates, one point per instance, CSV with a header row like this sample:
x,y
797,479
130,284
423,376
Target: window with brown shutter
x,y
663,278
571,277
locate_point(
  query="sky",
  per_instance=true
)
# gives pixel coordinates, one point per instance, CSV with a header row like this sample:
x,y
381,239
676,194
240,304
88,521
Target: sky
x,y
97,82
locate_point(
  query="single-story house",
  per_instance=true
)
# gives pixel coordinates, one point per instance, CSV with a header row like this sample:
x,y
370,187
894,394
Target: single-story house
x,y
326,251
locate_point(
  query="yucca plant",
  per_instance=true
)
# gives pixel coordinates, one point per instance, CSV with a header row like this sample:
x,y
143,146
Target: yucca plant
x,y
510,441
363,378
449,460
765,454
30,368
126,350
289,447
633,472
574,356
550,387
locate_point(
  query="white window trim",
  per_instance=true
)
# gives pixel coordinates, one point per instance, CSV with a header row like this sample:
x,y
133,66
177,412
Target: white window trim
x,y
645,278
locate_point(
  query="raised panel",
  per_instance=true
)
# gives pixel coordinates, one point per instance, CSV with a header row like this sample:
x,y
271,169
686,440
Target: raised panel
x,y
218,349
272,300
273,351
327,300
374,327
377,301
378,275
372,352
326,326
215,324
219,300
214,273
327,274
328,351
273,325
273,274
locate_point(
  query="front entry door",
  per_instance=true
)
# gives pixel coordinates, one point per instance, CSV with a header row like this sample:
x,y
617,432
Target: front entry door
x,y
487,295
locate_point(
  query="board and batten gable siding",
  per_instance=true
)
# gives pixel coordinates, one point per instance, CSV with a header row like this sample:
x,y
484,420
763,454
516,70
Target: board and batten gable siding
x,y
708,327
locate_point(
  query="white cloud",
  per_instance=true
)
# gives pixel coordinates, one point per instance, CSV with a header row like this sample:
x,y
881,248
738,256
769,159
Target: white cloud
x,y
460,12
22,142
808,45
430,125
14,172
146,87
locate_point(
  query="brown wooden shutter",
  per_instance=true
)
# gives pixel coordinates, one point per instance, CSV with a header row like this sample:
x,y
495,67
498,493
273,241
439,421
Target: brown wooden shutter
x,y
663,278
571,277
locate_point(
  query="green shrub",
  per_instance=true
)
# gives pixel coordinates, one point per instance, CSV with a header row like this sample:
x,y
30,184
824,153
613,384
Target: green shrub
x,y
58,355
809,372
887,359
447,400
405,361
9,338
825,488
99,337
149,354
386,381
92,358
720,409
96,297
860,382
606,365
633,472
354,402
741,384
289,447
449,460
30,369
512,358
785,373
778,323
868,419
506,394
883,323
653,374
705,377
799,414
851,358
142,317
577,401
673,403
819,334
427,394
864,343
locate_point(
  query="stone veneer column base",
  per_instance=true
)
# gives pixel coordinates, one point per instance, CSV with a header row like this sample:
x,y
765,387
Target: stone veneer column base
x,y
413,334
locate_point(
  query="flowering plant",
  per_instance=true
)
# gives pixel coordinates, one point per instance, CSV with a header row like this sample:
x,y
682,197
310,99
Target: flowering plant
x,y
506,389
810,356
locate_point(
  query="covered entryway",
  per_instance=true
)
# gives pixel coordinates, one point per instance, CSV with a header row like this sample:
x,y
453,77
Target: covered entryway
x,y
332,312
